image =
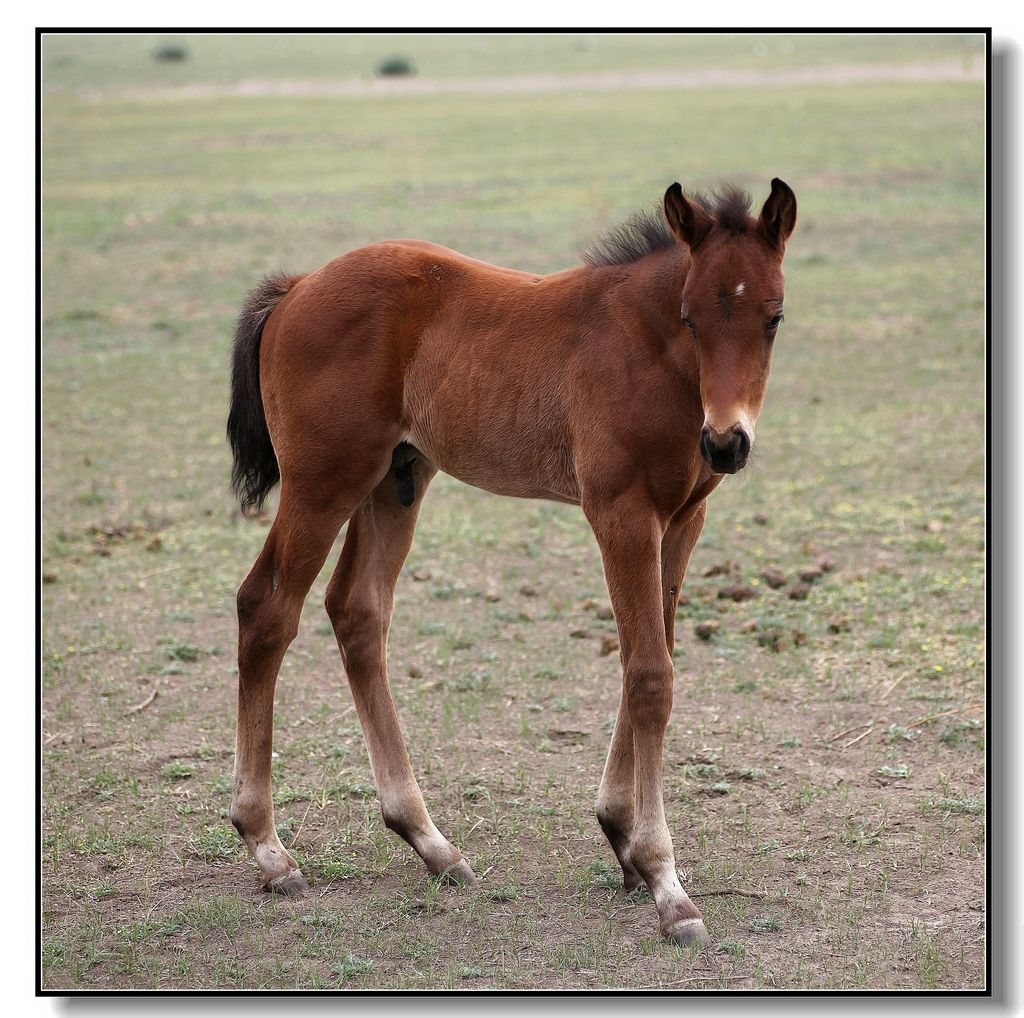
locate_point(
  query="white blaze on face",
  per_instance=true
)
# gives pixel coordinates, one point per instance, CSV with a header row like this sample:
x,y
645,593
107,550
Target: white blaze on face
x,y
728,417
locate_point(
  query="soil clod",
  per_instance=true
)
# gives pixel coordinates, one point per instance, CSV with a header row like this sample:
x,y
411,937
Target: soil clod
x,y
774,577
706,630
737,592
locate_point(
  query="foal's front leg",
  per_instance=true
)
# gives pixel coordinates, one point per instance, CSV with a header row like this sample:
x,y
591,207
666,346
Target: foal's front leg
x,y
615,799
630,538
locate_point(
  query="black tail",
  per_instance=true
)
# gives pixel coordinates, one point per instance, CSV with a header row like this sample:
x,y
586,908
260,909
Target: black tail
x,y
255,470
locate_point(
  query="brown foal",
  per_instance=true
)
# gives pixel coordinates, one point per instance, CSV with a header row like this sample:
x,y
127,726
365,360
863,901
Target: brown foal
x,y
628,386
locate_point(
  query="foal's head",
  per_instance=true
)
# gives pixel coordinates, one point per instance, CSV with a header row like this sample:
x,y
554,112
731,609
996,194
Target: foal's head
x,y
732,307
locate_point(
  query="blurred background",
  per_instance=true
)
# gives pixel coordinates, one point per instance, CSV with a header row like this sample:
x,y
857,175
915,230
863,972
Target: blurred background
x,y
827,749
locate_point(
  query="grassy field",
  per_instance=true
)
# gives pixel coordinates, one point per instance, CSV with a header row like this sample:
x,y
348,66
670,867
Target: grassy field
x,y
104,61
825,762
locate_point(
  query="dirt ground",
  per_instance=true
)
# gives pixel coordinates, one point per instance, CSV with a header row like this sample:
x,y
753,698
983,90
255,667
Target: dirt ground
x,y
804,824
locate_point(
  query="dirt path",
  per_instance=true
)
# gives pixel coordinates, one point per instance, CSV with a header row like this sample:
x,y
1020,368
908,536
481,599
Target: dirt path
x,y
606,81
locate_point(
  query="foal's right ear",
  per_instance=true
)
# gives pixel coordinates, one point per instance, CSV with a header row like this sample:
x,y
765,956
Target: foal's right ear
x,y
689,222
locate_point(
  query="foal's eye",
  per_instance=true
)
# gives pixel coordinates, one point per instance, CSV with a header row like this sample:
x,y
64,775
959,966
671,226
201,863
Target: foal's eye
x,y
775,322
688,324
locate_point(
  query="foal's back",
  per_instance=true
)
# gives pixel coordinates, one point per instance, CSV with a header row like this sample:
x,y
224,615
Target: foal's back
x,y
472,363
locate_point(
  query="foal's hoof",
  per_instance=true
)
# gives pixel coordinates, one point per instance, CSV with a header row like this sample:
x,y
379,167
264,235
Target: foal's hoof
x,y
459,875
291,885
688,933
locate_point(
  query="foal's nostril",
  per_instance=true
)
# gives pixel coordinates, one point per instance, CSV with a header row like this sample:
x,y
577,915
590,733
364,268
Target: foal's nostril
x,y
705,443
741,444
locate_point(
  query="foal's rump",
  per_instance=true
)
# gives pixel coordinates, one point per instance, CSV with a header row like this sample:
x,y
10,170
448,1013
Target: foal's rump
x,y
331,366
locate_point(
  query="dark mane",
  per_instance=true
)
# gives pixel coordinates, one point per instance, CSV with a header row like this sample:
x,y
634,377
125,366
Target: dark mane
x,y
729,207
642,234
646,231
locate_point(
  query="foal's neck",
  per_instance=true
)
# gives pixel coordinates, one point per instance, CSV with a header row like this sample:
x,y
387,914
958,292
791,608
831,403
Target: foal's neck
x,y
653,288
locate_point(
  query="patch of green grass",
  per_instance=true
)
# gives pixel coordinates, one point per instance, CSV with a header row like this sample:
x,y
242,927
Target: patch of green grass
x,y
900,771
604,875
764,924
177,770
506,891
349,967
752,774
897,733
328,863
961,733
958,804
700,770
184,652
149,929
321,920
216,843
476,682
54,953
860,833
927,957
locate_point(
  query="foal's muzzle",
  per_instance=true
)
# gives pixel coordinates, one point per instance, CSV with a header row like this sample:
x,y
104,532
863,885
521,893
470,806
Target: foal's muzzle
x,y
725,451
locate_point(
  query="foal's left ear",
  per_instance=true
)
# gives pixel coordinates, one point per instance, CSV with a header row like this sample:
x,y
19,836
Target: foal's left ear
x,y
778,217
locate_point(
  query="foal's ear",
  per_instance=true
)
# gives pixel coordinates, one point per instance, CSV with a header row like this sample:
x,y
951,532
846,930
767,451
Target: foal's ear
x,y
689,222
778,217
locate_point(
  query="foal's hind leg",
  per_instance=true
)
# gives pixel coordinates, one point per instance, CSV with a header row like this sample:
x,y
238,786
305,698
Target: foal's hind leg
x,y
360,600
269,604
